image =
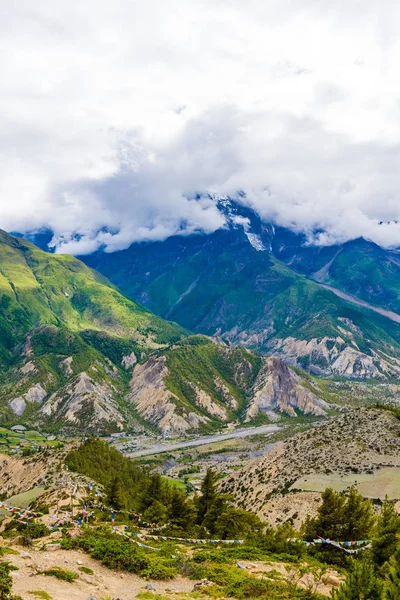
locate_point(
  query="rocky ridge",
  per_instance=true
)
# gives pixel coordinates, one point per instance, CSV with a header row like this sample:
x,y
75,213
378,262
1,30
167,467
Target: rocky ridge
x,y
257,285
275,388
357,442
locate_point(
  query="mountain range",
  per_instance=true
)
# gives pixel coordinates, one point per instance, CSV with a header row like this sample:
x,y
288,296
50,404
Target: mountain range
x,y
194,332
78,355
334,311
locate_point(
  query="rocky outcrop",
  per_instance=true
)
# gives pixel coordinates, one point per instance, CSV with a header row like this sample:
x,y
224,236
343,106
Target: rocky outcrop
x,y
129,360
84,402
204,401
279,388
35,394
276,388
335,356
66,366
155,403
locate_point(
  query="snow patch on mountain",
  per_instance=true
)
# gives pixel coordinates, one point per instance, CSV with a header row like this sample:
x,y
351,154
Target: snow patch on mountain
x,y
255,241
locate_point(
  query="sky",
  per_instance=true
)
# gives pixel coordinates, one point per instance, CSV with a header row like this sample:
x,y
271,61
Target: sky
x,y
114,114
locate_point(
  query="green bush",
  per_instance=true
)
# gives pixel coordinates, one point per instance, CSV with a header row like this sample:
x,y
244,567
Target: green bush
x,y
120,554
40,594
86,570
33,531
63,574
5,580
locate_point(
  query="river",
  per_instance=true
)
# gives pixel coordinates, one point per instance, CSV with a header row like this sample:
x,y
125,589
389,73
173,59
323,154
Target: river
x,y
159,447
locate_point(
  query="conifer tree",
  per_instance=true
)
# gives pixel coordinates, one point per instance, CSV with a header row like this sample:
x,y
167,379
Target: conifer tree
x,y
155,513
116,496
217,507
330,519
392,585
386,534
358,518
360,584
182,511
235,523
208,495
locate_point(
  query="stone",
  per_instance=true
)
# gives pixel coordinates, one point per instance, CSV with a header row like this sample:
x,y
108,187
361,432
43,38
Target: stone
x,y
199,585
150,587
331,580
52,547
79,562
74,533
26,555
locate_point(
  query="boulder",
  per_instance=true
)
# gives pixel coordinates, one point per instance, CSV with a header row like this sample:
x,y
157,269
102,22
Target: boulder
x,y
52,547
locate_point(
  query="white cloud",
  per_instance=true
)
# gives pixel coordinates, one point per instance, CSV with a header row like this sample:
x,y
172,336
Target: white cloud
x,y
114,113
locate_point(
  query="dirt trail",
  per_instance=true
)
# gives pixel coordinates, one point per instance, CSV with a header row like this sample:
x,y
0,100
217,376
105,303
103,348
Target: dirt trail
x,y
104,582
386,313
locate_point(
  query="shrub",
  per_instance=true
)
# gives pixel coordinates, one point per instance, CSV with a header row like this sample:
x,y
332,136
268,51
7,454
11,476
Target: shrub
x,y
40,594
119,554
33,531
5,580
86,570
63,574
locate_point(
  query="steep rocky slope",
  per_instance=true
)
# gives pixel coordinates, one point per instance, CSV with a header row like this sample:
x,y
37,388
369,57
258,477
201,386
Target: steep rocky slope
x,y
234,283
198,383
358,442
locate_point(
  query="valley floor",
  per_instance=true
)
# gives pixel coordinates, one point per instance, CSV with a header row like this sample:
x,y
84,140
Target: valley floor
x,y
160,447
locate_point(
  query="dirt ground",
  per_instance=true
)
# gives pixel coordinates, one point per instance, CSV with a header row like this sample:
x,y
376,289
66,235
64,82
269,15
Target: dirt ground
x,y
107,583
104,582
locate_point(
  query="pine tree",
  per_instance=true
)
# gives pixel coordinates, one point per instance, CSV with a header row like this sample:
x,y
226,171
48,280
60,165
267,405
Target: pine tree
x,y
208,495
116,496
392,585
181,511
360,584
155,513
156,489
386,534
235,524
329,522
358,517
218,506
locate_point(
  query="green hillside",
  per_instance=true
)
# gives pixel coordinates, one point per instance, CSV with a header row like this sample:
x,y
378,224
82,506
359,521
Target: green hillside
x,y
77,355
55,309
221,285
38,288
365,270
